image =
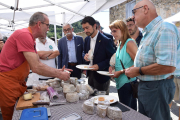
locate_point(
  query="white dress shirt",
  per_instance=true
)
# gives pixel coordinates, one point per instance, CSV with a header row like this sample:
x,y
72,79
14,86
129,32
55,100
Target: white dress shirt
x,y
93,42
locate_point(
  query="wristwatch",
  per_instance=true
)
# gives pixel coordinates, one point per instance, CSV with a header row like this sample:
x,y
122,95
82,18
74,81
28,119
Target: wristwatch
x,y
141,73
47,58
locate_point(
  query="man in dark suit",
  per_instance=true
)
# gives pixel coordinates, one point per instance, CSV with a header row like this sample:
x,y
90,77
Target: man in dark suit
x,y
71,49
106,34
102,50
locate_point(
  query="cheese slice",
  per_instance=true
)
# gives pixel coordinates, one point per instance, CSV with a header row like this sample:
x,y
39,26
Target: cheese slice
x,y
28,96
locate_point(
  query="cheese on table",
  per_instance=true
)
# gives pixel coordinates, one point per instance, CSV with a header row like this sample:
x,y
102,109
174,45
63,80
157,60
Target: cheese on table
x,y
28,96
68,88
101,110
89,88
81,87
72,97
88,107
114,113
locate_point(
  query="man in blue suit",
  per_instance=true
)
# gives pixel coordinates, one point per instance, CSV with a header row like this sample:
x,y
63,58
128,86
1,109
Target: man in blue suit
x,y
106,34
70,49
102,49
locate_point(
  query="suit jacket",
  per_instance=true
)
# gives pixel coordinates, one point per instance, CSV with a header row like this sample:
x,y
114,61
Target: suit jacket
x,y
111,37
63,58
102,54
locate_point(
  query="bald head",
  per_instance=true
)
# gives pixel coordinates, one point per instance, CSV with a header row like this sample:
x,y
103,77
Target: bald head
x,y
145,12
148,3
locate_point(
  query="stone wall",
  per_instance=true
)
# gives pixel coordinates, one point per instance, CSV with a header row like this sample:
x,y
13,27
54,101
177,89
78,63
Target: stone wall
x,y
165,8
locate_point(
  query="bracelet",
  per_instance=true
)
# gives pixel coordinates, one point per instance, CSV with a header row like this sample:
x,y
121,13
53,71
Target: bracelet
x,y
47,58
141,73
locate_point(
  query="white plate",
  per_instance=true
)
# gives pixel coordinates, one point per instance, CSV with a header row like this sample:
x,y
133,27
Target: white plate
x,y
107,97
104,73
84,67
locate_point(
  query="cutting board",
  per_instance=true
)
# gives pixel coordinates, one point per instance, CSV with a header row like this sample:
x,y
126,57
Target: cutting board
x,y
22,104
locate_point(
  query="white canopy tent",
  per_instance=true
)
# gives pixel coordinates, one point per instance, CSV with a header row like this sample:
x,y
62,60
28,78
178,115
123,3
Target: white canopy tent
x,y
15,14
174,18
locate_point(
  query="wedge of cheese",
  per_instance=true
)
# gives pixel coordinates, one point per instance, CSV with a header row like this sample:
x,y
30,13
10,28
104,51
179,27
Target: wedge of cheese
x,y
114,113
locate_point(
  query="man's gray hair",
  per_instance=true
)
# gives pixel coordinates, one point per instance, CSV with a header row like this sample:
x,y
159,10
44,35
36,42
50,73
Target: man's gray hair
x,y
1,37
38,16
68,24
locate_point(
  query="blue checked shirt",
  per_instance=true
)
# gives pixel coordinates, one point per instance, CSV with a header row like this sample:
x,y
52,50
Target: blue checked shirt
x,y
71,50
160,44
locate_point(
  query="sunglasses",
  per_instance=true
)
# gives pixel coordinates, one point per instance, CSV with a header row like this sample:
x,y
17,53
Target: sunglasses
x,y
134,10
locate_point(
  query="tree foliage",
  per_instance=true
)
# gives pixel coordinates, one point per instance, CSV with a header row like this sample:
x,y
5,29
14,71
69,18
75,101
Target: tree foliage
x,y
77,28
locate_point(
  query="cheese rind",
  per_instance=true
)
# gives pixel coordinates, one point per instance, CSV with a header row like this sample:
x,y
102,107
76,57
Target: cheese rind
x,y
89,88
72,97
114,113
68,88
88,107
101,110
81,87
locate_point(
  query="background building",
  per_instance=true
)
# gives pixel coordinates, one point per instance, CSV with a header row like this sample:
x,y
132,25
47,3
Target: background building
x,y
165,8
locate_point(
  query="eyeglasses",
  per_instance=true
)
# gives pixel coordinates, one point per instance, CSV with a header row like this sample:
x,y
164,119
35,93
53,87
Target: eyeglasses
x,y
130,25
134,10
114,31
66,29
45,24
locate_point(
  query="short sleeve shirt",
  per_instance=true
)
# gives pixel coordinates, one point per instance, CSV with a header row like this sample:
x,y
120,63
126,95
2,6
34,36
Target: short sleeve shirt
x,y
160,44
48,46
12,53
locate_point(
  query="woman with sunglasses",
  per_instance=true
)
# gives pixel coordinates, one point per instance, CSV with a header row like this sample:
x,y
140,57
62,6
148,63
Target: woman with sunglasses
x,y
126,53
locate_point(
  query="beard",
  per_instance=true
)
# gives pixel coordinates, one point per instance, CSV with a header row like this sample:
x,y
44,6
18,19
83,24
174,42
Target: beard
x,y
89,34
133,31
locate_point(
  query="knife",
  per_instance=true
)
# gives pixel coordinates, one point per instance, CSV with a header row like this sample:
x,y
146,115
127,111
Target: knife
x,y
48,103
60,103
124,68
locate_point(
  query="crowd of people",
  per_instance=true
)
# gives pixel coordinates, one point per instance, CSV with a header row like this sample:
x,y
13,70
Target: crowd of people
x,y
150,57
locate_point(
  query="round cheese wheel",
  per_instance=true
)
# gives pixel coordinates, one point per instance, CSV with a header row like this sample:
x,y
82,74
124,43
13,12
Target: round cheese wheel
x,y
72,97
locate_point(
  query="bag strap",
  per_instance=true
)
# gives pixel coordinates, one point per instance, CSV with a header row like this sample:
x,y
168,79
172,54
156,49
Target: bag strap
x,y
124,68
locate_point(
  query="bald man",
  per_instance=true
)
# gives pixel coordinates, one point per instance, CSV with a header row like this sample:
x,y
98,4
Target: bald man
x,y
156,62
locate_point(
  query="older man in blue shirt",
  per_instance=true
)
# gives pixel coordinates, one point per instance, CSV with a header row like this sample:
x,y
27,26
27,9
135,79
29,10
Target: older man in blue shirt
x,y
156,62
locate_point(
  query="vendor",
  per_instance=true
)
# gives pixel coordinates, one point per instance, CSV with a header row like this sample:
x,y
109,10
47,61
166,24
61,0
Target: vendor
x,y
18,55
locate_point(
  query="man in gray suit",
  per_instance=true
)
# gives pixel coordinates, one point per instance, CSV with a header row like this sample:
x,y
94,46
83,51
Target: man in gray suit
x,y
71,50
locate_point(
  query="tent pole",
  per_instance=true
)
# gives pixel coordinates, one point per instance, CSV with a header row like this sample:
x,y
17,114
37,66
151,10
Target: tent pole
x,y
63,21
55,37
